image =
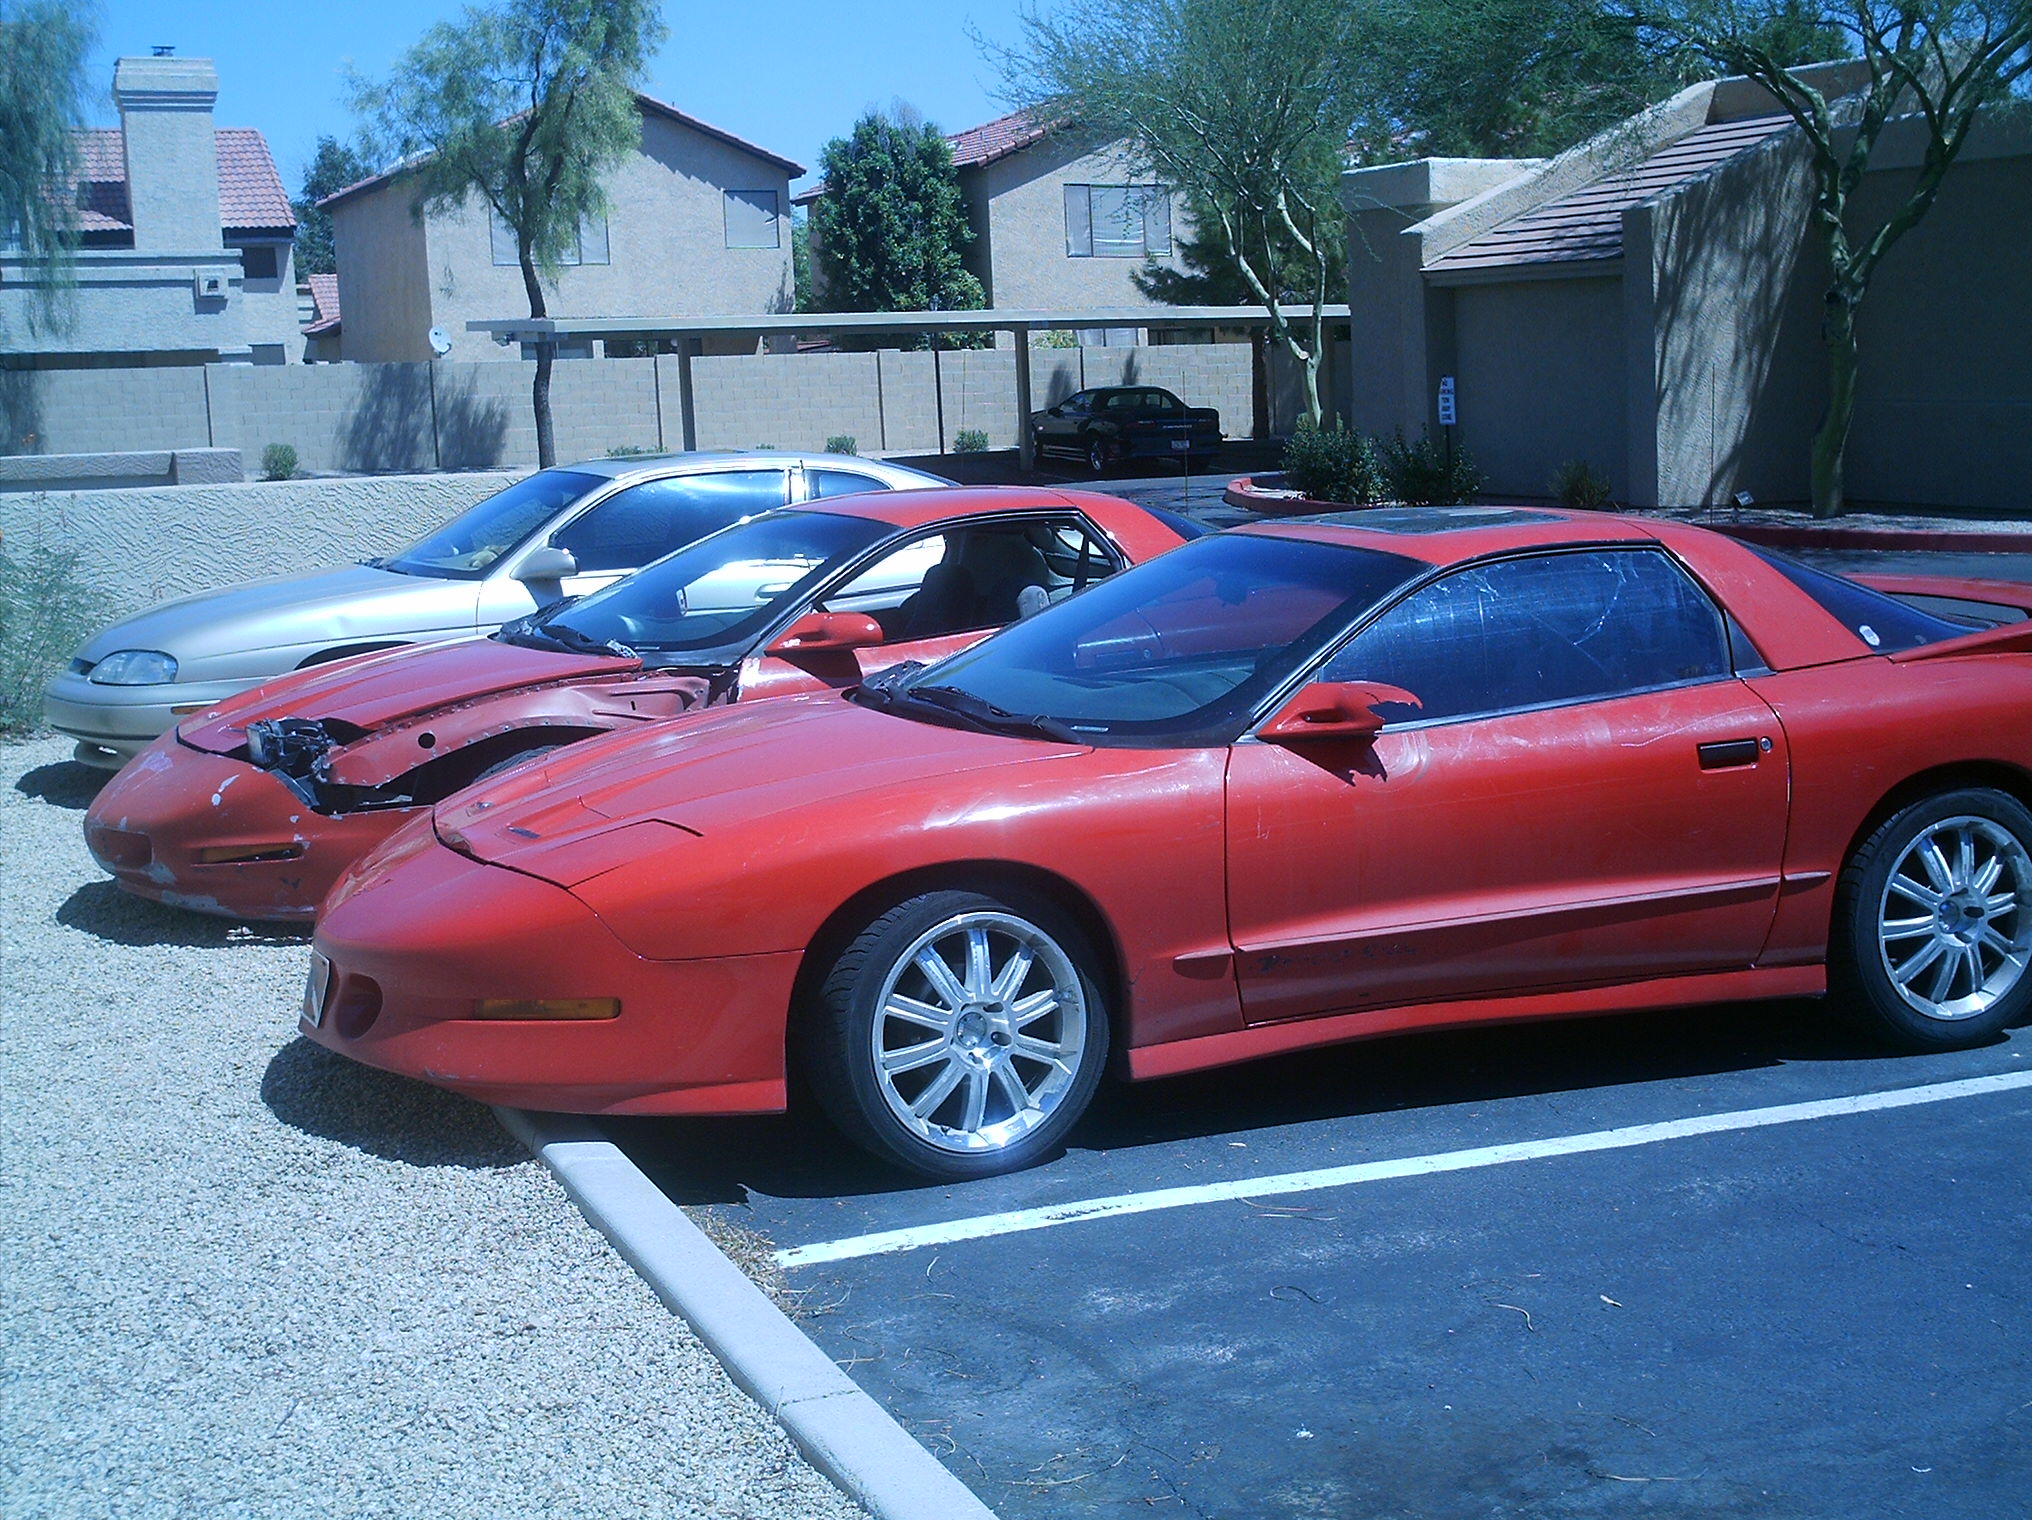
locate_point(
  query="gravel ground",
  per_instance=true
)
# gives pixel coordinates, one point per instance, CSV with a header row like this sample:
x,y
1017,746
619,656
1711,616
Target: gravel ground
x,y
246,1277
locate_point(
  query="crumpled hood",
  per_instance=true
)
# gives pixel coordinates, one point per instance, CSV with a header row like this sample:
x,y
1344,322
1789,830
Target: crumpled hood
x,y
396,686
325,606
759,767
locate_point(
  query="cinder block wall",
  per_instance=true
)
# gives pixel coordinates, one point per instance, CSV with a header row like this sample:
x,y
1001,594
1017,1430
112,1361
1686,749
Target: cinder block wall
x,y
418,417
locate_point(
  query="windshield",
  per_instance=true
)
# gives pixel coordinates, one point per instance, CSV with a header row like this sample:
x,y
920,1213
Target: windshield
x,y
1175,652
464,547
720,591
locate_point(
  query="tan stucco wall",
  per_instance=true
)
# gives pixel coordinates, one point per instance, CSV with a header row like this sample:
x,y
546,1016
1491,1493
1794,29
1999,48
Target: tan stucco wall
x,y
666,231
1538,370
148,544
384,277
1944,396
1022,257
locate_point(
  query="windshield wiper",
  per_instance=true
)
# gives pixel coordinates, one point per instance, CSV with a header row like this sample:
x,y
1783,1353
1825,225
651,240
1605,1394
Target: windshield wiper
x,y
986,716
585,643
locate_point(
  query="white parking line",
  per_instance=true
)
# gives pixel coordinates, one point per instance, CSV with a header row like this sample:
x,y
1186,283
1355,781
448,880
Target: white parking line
x,y
1324,1178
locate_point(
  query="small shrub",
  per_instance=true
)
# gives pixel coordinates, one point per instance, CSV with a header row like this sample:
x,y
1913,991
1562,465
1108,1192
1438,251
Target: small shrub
x,y
970,441
841,443
44,615
1579,485
278,462
1421,475
628,451
1333,464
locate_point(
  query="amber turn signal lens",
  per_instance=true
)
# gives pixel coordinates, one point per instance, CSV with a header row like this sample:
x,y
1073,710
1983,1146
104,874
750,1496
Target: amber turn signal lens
x,y
240,854
547,1008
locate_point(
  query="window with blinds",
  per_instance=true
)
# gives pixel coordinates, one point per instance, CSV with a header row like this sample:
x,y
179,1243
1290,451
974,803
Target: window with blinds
x,y
1117,221
589,247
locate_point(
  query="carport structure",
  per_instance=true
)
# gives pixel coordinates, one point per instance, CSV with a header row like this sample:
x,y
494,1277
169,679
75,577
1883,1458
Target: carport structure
x,y
687,335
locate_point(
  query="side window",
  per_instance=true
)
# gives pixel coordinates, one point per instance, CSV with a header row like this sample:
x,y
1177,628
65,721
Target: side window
x,y
824,483
1535,632
976,577
646,522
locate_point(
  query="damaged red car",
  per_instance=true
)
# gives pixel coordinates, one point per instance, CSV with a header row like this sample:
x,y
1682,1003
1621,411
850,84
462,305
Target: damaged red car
x,y
1297,783
254,807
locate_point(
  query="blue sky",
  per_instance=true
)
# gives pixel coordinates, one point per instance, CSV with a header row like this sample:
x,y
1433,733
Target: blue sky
x,y
786,74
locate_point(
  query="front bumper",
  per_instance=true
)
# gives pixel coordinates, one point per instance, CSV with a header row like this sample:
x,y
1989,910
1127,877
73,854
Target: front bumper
x,y
418,934
148,825
113,724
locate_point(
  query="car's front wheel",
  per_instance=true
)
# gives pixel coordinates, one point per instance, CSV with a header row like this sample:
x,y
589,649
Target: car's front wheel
x,y
1933,921
959,1035
1097,455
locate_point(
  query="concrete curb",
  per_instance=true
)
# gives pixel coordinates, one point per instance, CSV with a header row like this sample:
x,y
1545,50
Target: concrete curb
x,y
843,1432
1273,501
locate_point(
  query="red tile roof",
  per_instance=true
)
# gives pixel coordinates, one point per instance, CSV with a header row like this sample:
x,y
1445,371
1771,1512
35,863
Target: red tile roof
x,y
995,139
324,301
972,148
251,197
1588,224
649,104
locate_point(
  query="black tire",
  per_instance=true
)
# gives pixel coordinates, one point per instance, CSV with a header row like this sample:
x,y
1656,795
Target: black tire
x,y
1932,954
973,1037
1098,455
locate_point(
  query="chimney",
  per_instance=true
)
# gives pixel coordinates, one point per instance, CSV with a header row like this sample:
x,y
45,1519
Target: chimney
x,y
172,158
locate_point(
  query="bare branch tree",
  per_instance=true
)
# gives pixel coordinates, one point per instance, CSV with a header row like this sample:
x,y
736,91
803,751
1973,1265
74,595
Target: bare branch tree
x,y
1936,64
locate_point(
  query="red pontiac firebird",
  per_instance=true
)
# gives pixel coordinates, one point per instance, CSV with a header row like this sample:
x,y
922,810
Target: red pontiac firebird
x,y
1302,782
254,807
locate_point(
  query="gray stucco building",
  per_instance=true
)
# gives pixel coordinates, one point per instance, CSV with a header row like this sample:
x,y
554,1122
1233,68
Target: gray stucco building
x,y
697,225
185,239
1649,303
1058,223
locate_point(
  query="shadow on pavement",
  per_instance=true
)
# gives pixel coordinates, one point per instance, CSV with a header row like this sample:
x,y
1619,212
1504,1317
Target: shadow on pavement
x,y
312,1090
798,1155
64,784
101,909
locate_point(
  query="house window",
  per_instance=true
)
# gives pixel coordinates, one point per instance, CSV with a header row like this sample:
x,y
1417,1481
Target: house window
x,y
262,262
752,219
1117,221
589,247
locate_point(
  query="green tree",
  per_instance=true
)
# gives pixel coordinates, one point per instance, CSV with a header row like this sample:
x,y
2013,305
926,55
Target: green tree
x,y
1932,67
43,45
524,105
890,233
1244,105
335,166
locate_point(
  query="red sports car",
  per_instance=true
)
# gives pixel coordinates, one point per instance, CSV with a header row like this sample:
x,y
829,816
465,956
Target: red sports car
x,y
1301,782
254,807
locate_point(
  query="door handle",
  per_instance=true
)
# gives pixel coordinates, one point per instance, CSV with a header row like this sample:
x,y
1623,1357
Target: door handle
x,y
1725,754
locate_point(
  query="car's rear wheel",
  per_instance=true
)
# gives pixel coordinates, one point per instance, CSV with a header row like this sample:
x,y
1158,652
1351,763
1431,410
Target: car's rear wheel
x,y
1933,921
960,1035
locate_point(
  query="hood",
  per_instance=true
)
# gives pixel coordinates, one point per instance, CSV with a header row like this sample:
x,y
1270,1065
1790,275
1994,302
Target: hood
x,y
751,766
318,606
379,689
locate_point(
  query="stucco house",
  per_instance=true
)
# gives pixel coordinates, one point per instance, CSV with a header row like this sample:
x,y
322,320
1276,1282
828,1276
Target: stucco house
x,y
1059,223
1650,303
184,238
698,225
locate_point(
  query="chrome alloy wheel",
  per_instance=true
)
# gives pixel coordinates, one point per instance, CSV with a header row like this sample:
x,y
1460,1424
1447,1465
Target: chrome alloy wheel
x,y
1953,927
978,1033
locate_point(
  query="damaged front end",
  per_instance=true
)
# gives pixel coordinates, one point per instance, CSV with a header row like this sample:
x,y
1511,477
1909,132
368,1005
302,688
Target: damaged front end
x,y
336,767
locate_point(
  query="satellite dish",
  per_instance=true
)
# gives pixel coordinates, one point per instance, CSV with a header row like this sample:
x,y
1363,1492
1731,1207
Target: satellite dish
x,y
440,342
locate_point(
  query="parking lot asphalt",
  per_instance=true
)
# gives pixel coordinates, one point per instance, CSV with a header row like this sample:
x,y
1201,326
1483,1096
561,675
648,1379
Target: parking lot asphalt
x,y
1726,1260
1821,1316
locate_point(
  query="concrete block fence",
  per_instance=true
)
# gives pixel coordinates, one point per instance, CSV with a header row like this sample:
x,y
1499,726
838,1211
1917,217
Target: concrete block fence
x,y
450,416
